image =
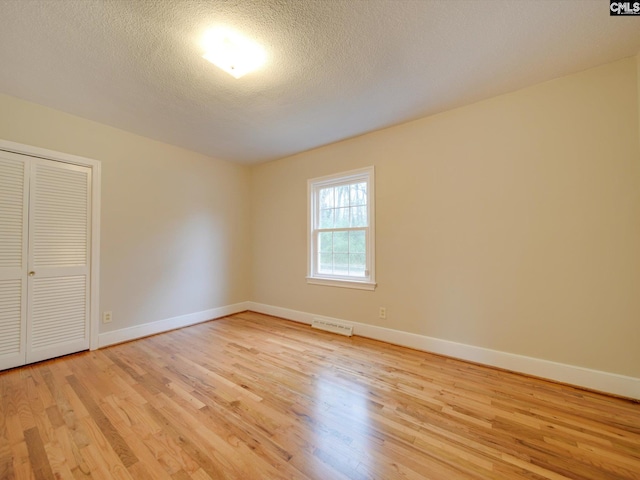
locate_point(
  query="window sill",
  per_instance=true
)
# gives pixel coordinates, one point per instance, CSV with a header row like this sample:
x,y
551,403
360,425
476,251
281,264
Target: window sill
x,y
332,282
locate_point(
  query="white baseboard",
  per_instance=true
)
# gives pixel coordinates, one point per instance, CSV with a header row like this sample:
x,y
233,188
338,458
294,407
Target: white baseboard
x,y
138,331
560,372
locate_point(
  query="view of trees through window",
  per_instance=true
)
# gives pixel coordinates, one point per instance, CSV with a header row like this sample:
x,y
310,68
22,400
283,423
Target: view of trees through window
x,y
342,223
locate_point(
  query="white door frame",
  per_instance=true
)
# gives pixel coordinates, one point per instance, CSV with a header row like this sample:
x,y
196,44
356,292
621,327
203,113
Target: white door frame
x,y
94,276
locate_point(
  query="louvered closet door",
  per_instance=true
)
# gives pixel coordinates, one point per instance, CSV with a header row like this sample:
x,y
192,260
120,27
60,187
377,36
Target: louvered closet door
x,y
58,260
13,259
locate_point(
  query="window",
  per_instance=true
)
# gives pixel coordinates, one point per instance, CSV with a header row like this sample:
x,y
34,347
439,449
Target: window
x,y
341,230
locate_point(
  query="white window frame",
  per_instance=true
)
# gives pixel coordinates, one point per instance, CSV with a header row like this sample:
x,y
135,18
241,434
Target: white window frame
x,y
314,185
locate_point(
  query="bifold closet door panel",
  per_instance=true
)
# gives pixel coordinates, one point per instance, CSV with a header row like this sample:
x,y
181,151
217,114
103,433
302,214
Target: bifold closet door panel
x,y
14,181
58,259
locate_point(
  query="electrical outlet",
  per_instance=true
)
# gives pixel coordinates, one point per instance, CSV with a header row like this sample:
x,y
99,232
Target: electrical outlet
x,y
382,313
106,317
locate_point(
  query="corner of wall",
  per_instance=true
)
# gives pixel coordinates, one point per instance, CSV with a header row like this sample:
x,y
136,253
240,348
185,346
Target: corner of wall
x,y
251,229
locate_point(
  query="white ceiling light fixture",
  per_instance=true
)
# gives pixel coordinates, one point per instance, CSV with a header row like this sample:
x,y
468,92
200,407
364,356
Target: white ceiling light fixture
x,y
232,52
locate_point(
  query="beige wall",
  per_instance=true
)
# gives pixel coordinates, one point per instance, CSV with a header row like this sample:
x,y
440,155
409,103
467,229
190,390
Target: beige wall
x,y
638,94
511,224
174,223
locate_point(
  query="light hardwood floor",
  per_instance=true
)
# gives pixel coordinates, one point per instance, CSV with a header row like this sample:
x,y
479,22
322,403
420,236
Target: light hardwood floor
x,y
255,397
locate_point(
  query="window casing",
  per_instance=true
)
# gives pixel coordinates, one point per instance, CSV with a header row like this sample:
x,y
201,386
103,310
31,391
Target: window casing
x,y
341,230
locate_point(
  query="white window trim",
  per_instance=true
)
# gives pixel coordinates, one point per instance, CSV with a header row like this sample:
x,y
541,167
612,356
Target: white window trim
x,y
313,278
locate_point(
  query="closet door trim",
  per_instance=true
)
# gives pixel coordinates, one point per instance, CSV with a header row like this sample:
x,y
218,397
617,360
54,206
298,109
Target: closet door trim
x,y
94,276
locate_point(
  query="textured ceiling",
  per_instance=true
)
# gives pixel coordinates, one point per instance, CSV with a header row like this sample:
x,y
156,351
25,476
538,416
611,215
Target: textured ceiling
x,y
336,69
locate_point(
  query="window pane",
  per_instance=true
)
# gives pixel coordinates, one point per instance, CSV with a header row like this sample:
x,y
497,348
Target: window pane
x,y
326,197
359,216
357,264
357,242
326,219
325,265
358,193
341,264
342,217
341,242
325,242
342,196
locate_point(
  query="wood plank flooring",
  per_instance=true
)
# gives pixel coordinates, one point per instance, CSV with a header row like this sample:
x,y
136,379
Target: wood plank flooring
x,y
255,397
